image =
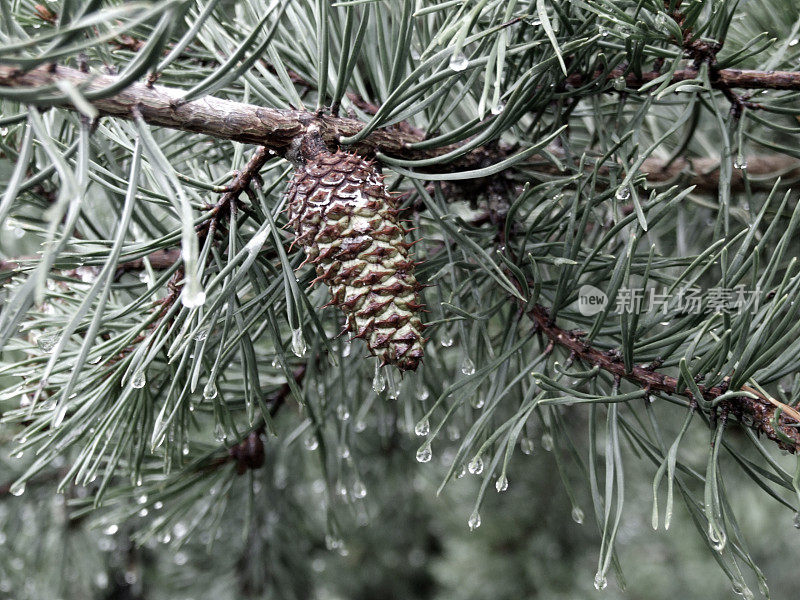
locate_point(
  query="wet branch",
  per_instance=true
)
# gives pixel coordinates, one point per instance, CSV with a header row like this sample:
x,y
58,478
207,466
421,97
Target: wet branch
x,y
276,128
777,421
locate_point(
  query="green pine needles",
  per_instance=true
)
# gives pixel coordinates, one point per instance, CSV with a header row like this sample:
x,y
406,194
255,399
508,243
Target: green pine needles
x,y
602,201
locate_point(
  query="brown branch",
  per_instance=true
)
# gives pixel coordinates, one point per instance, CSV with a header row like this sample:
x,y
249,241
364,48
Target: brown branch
x,y
762,410
276,128
745,79
224,119
249,452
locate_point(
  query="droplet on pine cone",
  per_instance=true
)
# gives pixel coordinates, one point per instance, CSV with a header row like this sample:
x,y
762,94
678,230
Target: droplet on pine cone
x,y
347,222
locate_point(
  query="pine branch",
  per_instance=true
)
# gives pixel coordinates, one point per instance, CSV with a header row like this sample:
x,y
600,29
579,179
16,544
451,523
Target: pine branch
x,y
276,128
763,410
723,79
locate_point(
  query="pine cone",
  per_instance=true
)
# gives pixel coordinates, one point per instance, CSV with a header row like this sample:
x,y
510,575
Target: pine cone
x,y
347,222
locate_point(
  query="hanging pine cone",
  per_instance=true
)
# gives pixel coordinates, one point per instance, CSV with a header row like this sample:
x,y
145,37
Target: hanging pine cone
x,y
347,222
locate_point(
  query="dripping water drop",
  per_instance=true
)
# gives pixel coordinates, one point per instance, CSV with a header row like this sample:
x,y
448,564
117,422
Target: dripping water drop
x,y
359,489
422,428
138,380
467,366
475,466
501,485
600,581
210,390
378,381
298,342
459,62
48,340
577,515
424,454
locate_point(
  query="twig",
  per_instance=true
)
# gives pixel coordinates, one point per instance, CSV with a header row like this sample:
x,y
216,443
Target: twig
x,y
249,452
762,409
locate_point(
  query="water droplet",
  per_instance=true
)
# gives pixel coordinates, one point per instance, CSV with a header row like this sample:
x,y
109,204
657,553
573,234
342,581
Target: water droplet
x,y
360,426
796,520
467,366
600,581
111,530
501,485
474,521
423,394
577,515
661,21
477,402
48,340
359,489
393,387
210,390
298,342
498,108
603,31
547,442
453,432
740,163
447,341
311,442
138,380
347,347
192,298
17,488
740,589
422,428
378,381
619,83
717,538
101,580
475,466
459,62
526,446
623,193
180,530
424,454
342,413
143,512
341,489
3,131
332,543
